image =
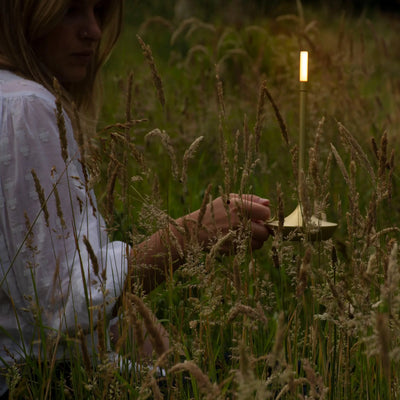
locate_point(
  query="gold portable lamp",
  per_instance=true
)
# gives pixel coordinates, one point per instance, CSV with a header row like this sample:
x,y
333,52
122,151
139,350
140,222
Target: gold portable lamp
x,y
317,229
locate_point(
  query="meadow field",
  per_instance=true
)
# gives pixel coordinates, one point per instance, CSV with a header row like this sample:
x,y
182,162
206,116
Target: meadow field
x,y
199,107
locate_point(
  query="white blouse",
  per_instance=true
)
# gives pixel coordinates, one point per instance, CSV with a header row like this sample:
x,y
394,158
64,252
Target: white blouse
x,y
47,277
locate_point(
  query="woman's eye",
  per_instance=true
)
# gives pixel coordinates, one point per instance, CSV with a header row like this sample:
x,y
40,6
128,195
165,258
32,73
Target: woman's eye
x,y
76,8
99,10
72,11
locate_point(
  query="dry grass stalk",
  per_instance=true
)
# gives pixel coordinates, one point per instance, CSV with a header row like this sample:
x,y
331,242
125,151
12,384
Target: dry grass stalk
x,y
291,386
113,169
167,143
383,337
58,207
357,151
61,121
126,142
372,265
85,352
246,138
304,198
370,221
116,128
40,193
354,218
150,322
190,237
214,250
128,106
260,114
157,20
192,24
246,173
390,175
101,345
156,76
317,387
196,50
275,257
208,389
54,285
226,201
314,161
151,384
236,274
29,238
220,95
384,232
375,148
111,182
222,142
189,154
294,153
336,296
384,184
314,172
326,182
281,121
318,134
134,151
92,256
341,165
357,219
130,324
392,274
81,142
277,349
281,207
235,166
150,379
203,207
304,272
170,239
244,362
251,312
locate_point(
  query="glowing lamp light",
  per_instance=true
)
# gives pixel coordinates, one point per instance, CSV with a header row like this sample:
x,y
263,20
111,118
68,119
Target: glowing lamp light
x,y
303,66
295,227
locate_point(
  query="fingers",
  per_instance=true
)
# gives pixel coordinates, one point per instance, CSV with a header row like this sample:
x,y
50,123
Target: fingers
x,y
257,210
255,199
260,233
248,207
254,207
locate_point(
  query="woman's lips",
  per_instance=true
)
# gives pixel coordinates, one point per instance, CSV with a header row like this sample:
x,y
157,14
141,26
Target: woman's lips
x,y
83,56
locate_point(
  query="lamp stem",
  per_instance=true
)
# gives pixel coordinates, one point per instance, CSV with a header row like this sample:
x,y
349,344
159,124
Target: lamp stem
x,y
302,135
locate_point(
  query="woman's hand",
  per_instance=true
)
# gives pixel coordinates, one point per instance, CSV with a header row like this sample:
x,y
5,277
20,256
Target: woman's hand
x,y
223,215
233,212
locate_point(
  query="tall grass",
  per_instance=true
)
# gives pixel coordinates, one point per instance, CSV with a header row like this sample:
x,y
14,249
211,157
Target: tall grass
x,y
296,319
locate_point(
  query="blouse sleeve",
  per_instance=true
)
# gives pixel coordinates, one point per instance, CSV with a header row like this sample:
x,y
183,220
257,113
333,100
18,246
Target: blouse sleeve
x,y
60,266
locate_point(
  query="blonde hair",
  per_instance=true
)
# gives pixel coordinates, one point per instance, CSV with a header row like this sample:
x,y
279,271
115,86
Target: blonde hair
x,y
22,22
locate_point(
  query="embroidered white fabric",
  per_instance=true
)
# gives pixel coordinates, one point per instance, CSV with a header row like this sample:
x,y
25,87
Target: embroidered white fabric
x,y
46,275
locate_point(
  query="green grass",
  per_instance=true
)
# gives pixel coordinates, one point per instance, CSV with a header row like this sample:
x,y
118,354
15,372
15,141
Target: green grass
x,y
331,321
271,323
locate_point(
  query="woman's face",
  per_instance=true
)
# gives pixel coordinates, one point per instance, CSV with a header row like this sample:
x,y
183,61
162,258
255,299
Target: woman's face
x,y
69,47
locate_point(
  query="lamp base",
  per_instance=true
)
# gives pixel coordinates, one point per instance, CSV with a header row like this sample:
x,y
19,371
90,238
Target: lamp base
x,y
293,227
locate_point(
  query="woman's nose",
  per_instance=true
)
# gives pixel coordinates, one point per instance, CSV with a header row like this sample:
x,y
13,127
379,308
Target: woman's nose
x,y
91,28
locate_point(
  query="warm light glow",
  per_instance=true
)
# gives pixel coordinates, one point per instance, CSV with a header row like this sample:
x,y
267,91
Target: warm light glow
x,y
303,66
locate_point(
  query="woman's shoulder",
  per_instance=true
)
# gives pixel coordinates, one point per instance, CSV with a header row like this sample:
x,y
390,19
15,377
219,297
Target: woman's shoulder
x,y
13,86
27,106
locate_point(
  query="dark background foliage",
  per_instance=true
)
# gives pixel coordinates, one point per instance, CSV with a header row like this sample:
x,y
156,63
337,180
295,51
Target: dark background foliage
x,y
208,9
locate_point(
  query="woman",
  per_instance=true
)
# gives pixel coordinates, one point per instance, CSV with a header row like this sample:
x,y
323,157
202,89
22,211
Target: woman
x,y
57,267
